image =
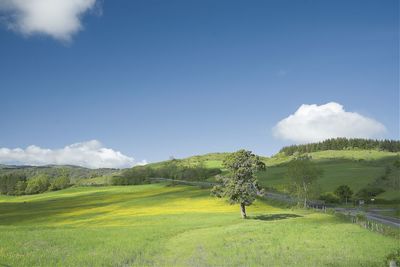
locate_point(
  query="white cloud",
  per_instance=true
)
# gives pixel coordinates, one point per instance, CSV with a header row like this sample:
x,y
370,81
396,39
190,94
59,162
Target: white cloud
x,y
91,154
57,18
312,123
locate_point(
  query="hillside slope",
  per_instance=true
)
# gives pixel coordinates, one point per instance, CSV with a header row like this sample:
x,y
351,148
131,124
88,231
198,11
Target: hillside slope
x,y
356,168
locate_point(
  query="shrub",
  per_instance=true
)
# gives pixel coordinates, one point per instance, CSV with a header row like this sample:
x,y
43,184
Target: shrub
x,y
394,256
360,217
369,192
331,211
119,180
330,198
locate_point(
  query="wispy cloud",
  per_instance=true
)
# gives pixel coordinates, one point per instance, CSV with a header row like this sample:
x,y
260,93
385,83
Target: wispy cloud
x,y
60,19
91,154
312,123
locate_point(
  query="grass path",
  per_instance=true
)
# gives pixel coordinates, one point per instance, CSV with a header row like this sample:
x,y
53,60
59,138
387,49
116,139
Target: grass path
x,y
157,225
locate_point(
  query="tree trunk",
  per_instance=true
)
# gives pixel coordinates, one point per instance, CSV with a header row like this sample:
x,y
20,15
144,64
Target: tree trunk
x,y
243,210
305,194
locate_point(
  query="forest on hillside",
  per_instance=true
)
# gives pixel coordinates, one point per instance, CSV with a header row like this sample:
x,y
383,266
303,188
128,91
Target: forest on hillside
x,y
53,171
343,144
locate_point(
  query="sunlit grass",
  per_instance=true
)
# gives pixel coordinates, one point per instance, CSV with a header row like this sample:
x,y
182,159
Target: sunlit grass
x,y
160,225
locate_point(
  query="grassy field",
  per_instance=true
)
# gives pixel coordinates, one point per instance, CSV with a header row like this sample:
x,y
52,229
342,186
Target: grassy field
x,y
160,225
335,173
355,168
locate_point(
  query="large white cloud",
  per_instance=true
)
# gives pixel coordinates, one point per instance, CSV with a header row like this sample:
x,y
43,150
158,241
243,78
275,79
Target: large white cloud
x,y
57,18
311,123
91,154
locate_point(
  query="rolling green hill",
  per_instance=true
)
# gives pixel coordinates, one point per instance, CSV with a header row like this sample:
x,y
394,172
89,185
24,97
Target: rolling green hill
x,y
356,168
210,160
161,225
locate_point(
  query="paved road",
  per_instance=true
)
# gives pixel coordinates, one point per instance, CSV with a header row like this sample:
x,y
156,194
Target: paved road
x,y
372,214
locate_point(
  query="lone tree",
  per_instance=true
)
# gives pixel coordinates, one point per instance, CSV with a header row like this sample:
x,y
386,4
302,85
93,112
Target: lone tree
x,y
344,193
303,173
241,185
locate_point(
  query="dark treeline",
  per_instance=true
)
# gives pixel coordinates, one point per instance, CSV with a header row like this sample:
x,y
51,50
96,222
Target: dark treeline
x,y
53,171
17,184
343,144
171,170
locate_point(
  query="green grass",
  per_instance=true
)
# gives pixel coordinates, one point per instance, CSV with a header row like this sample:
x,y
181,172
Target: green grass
x,y
335,173
101,180
211,160
367,155
356,169
159,225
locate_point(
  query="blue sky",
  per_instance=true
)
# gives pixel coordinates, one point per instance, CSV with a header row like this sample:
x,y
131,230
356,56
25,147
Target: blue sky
x,y
153,79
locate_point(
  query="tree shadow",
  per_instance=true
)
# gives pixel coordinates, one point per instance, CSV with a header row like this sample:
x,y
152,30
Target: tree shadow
x,y
274,217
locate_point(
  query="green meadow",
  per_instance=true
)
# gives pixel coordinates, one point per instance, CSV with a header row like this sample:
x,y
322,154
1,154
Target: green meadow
x,y
162,225
335,173
355,168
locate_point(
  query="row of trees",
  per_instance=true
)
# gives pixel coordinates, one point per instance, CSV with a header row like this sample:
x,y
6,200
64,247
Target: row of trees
x,y
171,170
17,184
54,171
343,144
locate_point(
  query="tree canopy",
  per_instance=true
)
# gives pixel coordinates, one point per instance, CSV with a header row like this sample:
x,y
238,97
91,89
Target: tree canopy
x,y
344,193
241,185
343,144
303,174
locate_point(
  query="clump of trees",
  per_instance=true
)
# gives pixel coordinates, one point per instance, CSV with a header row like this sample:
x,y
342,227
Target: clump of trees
x,y
344,193
329,197
55,171
303,174
343,144
37,184
171,170
241,185
12,184
60,183
17,184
